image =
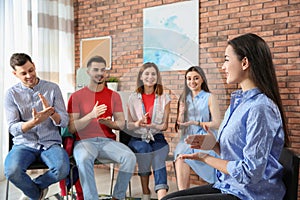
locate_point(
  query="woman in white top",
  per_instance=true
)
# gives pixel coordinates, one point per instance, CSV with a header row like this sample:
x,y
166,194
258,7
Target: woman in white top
x,y
148,114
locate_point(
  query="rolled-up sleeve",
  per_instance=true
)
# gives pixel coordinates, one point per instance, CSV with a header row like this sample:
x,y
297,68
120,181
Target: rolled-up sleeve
x,y
60,108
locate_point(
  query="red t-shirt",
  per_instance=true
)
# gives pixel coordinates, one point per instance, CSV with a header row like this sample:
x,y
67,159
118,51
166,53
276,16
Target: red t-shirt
x,y
83,102
148,100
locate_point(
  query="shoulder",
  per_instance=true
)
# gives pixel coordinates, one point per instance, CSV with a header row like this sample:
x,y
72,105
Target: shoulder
x,y
211,97
15,89
45,83
261,105
205,94
134,99
261,101
133,95
165,97
81,93
115,95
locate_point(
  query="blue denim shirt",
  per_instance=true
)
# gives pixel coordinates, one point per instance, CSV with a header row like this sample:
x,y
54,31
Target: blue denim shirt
x,y
20,100
251,137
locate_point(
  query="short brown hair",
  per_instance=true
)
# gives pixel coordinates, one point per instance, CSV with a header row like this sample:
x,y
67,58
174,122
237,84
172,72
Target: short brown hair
x,y
19,59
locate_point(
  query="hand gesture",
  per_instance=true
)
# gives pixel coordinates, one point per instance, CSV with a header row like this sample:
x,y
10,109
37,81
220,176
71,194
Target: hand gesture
x,y
44,101
104,120
39,117
98,110
185,124
204,142
194,156
143,122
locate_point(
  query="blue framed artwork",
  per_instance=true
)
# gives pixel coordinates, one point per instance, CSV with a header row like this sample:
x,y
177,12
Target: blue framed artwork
x,y
171,35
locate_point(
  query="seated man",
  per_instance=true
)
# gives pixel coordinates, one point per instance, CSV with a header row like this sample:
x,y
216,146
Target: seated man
x,y
91,110
35,110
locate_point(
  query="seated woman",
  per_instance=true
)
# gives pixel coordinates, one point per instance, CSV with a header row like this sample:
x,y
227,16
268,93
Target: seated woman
x,y
197,107
148,115
252,134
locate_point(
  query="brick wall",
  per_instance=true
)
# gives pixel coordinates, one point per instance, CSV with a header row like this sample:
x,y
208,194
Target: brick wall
x,y
278,22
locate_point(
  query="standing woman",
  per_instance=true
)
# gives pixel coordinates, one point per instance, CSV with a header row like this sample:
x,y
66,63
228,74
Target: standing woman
x,y
148,115
252,134
197,108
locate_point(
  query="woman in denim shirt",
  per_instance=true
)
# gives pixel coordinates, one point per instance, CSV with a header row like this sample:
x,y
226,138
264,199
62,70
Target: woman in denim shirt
x,y
252,134
148,116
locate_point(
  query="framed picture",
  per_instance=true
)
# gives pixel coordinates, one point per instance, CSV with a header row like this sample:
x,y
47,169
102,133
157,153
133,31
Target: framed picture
x,y
171,35
100,46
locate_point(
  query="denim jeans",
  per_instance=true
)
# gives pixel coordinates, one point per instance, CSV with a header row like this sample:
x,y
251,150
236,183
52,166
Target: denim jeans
x,y
19,159
88,150
153,153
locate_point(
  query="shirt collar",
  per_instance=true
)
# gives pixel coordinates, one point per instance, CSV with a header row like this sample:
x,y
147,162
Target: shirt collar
x,y
245,95
35,87
237,97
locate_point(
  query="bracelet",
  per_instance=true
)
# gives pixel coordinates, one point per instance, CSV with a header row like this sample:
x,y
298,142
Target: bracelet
x,y
52,114
199,123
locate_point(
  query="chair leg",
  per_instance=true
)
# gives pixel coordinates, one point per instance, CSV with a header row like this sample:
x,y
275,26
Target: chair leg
x,y
7,190
112,177
175,173
71,180
130,189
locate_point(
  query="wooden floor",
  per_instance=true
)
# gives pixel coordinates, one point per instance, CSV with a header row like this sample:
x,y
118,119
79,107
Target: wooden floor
x,y
103,185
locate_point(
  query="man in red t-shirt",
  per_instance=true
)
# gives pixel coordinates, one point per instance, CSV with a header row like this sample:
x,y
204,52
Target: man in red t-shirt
x,y
91,110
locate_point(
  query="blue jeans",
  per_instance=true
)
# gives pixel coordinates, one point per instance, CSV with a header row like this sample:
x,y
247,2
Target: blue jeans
x,y
153,153
19,159
88,150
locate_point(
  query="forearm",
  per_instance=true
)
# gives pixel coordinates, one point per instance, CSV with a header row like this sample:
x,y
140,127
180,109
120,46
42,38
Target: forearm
x,y
161,127
216,148
116,125
131,125
26,126
55,117
216,163
79,124
212,124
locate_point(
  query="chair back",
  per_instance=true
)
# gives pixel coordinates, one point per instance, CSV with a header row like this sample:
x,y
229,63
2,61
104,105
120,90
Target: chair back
x,y
124,97
290,163
10,141
124,135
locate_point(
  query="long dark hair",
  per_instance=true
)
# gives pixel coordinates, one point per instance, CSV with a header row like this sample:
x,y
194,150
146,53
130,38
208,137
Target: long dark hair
x,y
262,70
158,88
186,90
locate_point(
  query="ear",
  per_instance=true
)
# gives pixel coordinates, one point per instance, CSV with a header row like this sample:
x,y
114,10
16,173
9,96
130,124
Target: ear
x,y
14,72
87,71
245,63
